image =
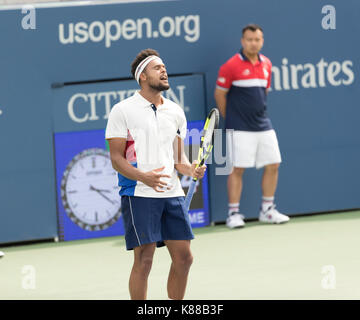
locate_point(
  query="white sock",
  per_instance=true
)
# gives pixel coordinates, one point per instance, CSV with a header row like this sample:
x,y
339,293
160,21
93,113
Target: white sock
x,y
267,202
233,207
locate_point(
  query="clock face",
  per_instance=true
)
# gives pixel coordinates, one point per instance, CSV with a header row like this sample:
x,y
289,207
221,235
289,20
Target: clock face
x,y
89,190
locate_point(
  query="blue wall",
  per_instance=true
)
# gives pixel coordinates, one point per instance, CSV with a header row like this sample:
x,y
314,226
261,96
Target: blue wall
x,y
316,121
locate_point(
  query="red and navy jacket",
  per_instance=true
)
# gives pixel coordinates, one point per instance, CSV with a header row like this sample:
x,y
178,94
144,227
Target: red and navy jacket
x,y
246,84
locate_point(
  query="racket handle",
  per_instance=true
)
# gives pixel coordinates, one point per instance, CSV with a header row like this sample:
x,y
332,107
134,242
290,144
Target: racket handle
x,y
190,194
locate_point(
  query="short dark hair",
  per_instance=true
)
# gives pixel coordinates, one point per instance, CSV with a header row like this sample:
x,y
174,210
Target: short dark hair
x,y
252,27
140,57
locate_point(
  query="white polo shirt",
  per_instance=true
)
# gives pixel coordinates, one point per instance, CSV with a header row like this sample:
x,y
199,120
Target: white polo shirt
x,y
150,135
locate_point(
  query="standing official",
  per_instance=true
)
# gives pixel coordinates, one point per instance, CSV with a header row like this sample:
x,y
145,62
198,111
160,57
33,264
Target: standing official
x,y
241,90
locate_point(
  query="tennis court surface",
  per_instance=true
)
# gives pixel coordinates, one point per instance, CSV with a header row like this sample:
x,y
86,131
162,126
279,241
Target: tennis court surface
x,y
312,257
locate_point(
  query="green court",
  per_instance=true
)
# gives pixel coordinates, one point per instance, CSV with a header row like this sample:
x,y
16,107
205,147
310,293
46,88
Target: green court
x,y
313,257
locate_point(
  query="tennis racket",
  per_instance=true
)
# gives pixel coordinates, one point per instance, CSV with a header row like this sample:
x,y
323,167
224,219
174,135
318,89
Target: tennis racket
x,y
206,146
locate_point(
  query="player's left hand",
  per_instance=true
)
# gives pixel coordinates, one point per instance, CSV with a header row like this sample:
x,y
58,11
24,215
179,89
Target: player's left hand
x,y
199,172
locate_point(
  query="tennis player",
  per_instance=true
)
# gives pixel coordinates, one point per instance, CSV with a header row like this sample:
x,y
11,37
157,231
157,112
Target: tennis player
x,y
145,134
241,89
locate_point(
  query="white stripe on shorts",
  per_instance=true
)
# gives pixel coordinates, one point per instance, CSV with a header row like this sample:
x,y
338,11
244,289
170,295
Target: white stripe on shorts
x,y
133,223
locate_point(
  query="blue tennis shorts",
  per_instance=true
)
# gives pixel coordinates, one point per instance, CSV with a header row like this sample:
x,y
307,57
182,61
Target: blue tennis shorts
x,y
148,220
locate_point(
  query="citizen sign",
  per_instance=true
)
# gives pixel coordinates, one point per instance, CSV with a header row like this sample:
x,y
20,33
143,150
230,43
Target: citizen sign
x,y
83,107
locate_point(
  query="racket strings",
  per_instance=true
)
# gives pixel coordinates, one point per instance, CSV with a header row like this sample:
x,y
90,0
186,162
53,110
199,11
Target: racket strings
x,y
207,139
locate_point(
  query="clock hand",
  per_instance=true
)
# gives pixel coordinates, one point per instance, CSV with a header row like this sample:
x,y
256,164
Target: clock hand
x,y
100,193
101,190
104,190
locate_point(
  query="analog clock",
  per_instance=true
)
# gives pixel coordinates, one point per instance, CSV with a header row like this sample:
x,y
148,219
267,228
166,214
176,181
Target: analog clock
x,y
89,190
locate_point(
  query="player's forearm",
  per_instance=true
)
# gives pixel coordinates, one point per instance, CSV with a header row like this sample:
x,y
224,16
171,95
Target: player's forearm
x,y
184,169
121,165
184,166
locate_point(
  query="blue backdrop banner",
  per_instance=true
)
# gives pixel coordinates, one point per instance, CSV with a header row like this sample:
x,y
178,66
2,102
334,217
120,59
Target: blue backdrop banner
x,y
63,71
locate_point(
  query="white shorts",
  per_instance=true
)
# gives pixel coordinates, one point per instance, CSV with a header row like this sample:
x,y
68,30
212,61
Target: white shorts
x,y
247,149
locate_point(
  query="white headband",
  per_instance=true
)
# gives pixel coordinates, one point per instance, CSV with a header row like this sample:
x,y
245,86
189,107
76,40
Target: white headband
x,y
142,65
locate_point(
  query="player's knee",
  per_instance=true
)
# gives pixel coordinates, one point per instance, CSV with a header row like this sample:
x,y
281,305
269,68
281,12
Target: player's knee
x,y
189,260
145,264
184,261
143,261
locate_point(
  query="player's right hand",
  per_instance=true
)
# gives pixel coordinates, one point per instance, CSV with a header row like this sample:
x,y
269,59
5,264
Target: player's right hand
x,y
153,179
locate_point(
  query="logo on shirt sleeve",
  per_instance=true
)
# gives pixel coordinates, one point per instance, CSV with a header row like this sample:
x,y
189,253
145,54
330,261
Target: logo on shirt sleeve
x,y
266,73
221,79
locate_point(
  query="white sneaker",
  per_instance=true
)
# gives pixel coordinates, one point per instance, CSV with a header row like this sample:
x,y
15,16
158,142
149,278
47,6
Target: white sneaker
x,y
1,254
273,216
235,220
